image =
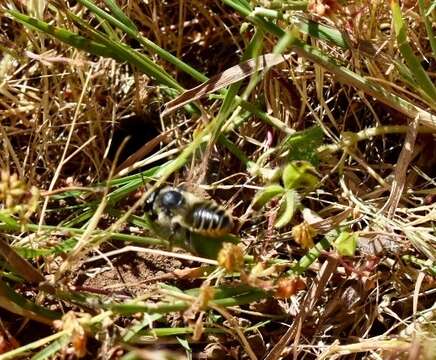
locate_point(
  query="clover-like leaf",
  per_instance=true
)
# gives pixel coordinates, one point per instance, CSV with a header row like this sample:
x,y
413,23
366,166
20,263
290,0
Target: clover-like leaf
x,y
290,202
291,175
346,243
303,144
299,174
266,195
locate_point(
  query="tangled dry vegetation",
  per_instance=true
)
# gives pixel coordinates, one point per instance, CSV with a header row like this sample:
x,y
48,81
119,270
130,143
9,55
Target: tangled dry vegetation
x,y
323,149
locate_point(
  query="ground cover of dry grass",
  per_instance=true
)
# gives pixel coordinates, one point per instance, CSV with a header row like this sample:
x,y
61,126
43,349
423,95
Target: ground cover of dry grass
x,y
313,123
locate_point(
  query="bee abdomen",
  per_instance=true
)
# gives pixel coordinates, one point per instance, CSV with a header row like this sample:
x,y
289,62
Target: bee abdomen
x,y
210,219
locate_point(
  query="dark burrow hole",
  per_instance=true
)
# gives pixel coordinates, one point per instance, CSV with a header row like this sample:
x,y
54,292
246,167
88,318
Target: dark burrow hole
x,y
139,129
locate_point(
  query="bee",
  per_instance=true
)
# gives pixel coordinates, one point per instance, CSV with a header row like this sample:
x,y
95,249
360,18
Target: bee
x,y
174,208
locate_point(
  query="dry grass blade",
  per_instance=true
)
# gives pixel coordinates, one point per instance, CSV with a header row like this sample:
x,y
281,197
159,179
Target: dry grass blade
x,y
309,302
64,153
224,79
348,77
401,169
365,346
138,249
235,327
332,222
20,306
13,308
142,152
88,240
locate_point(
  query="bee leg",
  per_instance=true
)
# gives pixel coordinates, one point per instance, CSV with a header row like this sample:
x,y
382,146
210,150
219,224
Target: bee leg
x,y
171,237
174,234
188,241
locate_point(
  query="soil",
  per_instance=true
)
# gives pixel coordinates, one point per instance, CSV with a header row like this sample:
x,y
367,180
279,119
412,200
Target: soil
x,y
128,274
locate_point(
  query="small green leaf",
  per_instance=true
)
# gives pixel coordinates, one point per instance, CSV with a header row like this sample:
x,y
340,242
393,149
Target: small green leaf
x,y
291,176
290,202
297,174
303,144
8,220
346,243
185,345
266,195
309,181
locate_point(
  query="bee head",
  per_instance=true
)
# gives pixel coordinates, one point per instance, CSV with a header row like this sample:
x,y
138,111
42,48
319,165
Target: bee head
x,y
171,199
165,198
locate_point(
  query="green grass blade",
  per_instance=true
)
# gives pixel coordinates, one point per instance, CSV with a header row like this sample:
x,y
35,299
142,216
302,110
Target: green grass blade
x,y
349,77
49,351
166,56
242,7
18,264
18,304
68,37
321,32
233,148
8,220
173,331
132,56
344,74
114,20
163,307
314,253
105,47
19,352
228,105
119,15
135,329
62,248
312,28
133,32
428,25
67,245
220,292
412,61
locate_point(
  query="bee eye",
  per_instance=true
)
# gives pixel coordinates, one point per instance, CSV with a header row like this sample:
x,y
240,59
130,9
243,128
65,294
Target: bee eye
x,y
172,199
